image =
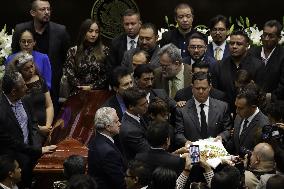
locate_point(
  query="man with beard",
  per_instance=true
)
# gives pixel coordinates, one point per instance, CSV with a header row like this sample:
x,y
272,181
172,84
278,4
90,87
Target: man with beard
x,y
272,56
51,39
197,45
178,36
147,41
172,75
144,78
218,48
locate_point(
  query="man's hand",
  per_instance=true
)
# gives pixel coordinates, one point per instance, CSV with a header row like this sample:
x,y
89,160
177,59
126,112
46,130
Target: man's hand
x,y
205,165
218,138
181,103
280,125
181,150
48,149
85,87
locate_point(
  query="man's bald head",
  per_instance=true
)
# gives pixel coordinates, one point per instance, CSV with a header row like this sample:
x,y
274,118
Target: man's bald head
x,y
264,151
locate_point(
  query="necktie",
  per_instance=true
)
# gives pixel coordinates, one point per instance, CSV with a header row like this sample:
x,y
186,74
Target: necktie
x,y
132,44
173,88
218,54
245,125
203,122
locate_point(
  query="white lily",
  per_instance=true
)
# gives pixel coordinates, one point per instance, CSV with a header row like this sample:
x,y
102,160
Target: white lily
x,y
160,32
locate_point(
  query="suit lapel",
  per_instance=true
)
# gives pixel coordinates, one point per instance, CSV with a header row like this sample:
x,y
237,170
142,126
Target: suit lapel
x,y
192,112
187,75
247,130
10,112
237,123
212,114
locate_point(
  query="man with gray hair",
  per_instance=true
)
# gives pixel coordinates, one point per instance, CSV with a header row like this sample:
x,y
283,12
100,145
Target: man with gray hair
x,y
105,162
172,75
18,131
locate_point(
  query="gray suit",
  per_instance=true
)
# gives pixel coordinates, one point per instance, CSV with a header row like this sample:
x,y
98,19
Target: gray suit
x,y
127,58
161,82
250,136
188,126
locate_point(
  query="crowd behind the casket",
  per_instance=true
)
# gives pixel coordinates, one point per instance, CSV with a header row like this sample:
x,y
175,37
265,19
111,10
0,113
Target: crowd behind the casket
x,y
168,93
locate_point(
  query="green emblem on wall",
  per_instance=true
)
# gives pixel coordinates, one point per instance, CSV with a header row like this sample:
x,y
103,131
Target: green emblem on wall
x,y
108,13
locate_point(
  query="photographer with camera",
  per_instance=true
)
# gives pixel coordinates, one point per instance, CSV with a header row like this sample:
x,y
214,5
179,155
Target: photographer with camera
x,y
261,165
274,132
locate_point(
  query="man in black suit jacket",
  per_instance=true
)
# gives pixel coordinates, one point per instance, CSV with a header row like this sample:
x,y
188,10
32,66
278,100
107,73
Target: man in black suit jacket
x,y
179,36
121,80
197,45
224,73
248,122
51,39
185,94
133,126
159,140
131,23
202,116
218,48
18,130
272,56
105,162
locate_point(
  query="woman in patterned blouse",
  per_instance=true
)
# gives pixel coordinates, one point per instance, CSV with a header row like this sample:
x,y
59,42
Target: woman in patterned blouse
x,y
85,67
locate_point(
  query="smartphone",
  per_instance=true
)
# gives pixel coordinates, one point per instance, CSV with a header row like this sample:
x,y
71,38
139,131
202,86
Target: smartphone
x,y
194,154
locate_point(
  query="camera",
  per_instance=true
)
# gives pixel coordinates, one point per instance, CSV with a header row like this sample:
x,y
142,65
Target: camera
x,y
270,132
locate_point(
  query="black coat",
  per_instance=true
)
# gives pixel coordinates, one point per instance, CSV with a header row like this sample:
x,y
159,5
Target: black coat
x,y
105,163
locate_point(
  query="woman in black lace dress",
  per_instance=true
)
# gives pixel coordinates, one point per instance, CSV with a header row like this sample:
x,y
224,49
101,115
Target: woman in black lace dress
x,y
85,66
37,93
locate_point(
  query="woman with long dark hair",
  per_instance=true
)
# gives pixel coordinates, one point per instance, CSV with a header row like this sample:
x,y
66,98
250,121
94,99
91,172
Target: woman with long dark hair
x,y
85,66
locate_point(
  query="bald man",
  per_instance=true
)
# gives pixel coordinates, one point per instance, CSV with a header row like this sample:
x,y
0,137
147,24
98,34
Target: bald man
x,y
262,164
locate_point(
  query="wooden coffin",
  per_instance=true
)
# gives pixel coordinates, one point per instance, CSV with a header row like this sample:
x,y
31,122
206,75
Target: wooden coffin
x,y
72,130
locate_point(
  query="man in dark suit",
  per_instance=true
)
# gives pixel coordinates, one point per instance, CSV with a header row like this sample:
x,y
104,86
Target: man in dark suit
x,y
121,80
126,41
147,41
197,45
10,172
224,73
105,162
18,130
218,48
133,126
144,77
248,122
159,140
186,93
202,116
172,75
272,56
179,36
51,39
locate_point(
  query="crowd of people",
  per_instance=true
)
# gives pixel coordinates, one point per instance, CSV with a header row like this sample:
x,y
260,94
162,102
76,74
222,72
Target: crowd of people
x,y
167,94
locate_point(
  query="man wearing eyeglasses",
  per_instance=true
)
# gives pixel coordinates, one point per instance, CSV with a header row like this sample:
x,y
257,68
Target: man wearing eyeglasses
x,y
178,36
272,56
218,48
51,39
197,45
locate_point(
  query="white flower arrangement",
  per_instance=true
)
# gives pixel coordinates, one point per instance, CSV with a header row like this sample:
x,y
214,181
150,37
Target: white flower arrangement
x,y
5,48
